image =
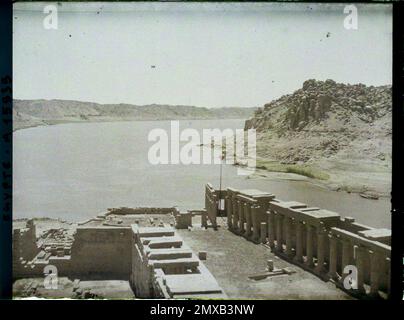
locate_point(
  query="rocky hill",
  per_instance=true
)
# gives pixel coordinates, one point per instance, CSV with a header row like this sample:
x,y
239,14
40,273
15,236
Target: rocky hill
x,y
28,113
344,130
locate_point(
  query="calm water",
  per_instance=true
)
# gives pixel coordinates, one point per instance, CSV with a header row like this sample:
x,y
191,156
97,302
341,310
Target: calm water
x,y
74,171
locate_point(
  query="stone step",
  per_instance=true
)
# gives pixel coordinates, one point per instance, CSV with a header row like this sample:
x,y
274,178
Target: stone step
x,y
164,242
155,232
169,253
187,263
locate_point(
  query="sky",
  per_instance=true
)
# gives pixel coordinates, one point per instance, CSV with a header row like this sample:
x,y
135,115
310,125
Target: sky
x,y
201,54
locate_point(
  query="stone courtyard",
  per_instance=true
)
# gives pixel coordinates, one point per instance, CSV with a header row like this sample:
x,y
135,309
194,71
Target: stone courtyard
x,y
232,259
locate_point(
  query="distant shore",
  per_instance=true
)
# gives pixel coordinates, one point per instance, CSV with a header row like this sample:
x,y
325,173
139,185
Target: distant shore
x,y
333,180
370,184
18,125
40,112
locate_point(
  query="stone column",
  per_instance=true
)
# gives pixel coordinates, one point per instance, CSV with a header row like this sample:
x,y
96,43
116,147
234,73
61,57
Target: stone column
x,y
321,247
388,266
256,226
236,221
214,215
229,211
279,225
360,265
332,272
347,253
239,220
206,199
375,263
347,257
263,232
242,217
271,228
309,245
299,241
204,220
248,214
288,235
235,213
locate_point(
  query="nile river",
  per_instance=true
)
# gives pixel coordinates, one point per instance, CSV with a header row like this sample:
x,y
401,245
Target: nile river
x,y
75,171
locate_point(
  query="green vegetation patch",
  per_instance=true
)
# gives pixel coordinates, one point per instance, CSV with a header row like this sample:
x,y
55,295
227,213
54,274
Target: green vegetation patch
x,y
302,170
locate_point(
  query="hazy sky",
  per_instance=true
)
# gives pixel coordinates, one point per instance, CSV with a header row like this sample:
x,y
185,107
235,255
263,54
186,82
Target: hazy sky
x,y
210,55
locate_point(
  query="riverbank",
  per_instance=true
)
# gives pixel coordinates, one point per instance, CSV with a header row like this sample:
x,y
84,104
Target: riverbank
x,y
365,177
51,181
367,184
20,125
31,113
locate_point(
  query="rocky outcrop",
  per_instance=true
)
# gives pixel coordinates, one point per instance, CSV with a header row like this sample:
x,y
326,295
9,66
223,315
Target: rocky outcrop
x,y
316,100
325,119
342,130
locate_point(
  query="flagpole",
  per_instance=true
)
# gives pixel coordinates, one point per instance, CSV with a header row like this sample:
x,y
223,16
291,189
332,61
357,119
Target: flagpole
x,y
220,184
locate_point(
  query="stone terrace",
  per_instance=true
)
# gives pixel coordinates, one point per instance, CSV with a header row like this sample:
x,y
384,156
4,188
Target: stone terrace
x,y
232,259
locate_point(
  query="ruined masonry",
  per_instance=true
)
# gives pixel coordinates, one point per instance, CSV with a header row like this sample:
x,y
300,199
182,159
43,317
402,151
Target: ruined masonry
x,y
164,266
318,240
140,246
133,244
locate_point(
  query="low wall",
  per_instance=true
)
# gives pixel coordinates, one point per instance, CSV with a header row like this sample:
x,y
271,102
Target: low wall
x,y
141,210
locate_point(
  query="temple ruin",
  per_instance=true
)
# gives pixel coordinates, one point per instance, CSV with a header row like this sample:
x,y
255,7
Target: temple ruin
x,y
317,240
144,248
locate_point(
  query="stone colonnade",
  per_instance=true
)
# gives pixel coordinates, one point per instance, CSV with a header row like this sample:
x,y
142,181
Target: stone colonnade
x,y
313,238
246,213
318,240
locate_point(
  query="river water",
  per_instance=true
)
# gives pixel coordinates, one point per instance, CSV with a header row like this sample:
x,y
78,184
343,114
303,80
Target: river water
x,y
75,171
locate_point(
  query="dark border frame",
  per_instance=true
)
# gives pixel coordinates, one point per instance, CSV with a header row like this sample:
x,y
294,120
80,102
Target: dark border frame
x,y
6,129
397,199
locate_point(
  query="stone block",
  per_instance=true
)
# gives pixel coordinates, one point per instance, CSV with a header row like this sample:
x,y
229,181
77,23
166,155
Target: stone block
x,y
270,264
382,235
183,220
202,255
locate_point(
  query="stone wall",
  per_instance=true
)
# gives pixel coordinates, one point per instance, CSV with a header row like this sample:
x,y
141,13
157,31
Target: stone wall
x,y
101,252
100,248
24,250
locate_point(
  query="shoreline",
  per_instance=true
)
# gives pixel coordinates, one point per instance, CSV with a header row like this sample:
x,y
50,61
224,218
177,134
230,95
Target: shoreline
x,y
332,180
45,123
